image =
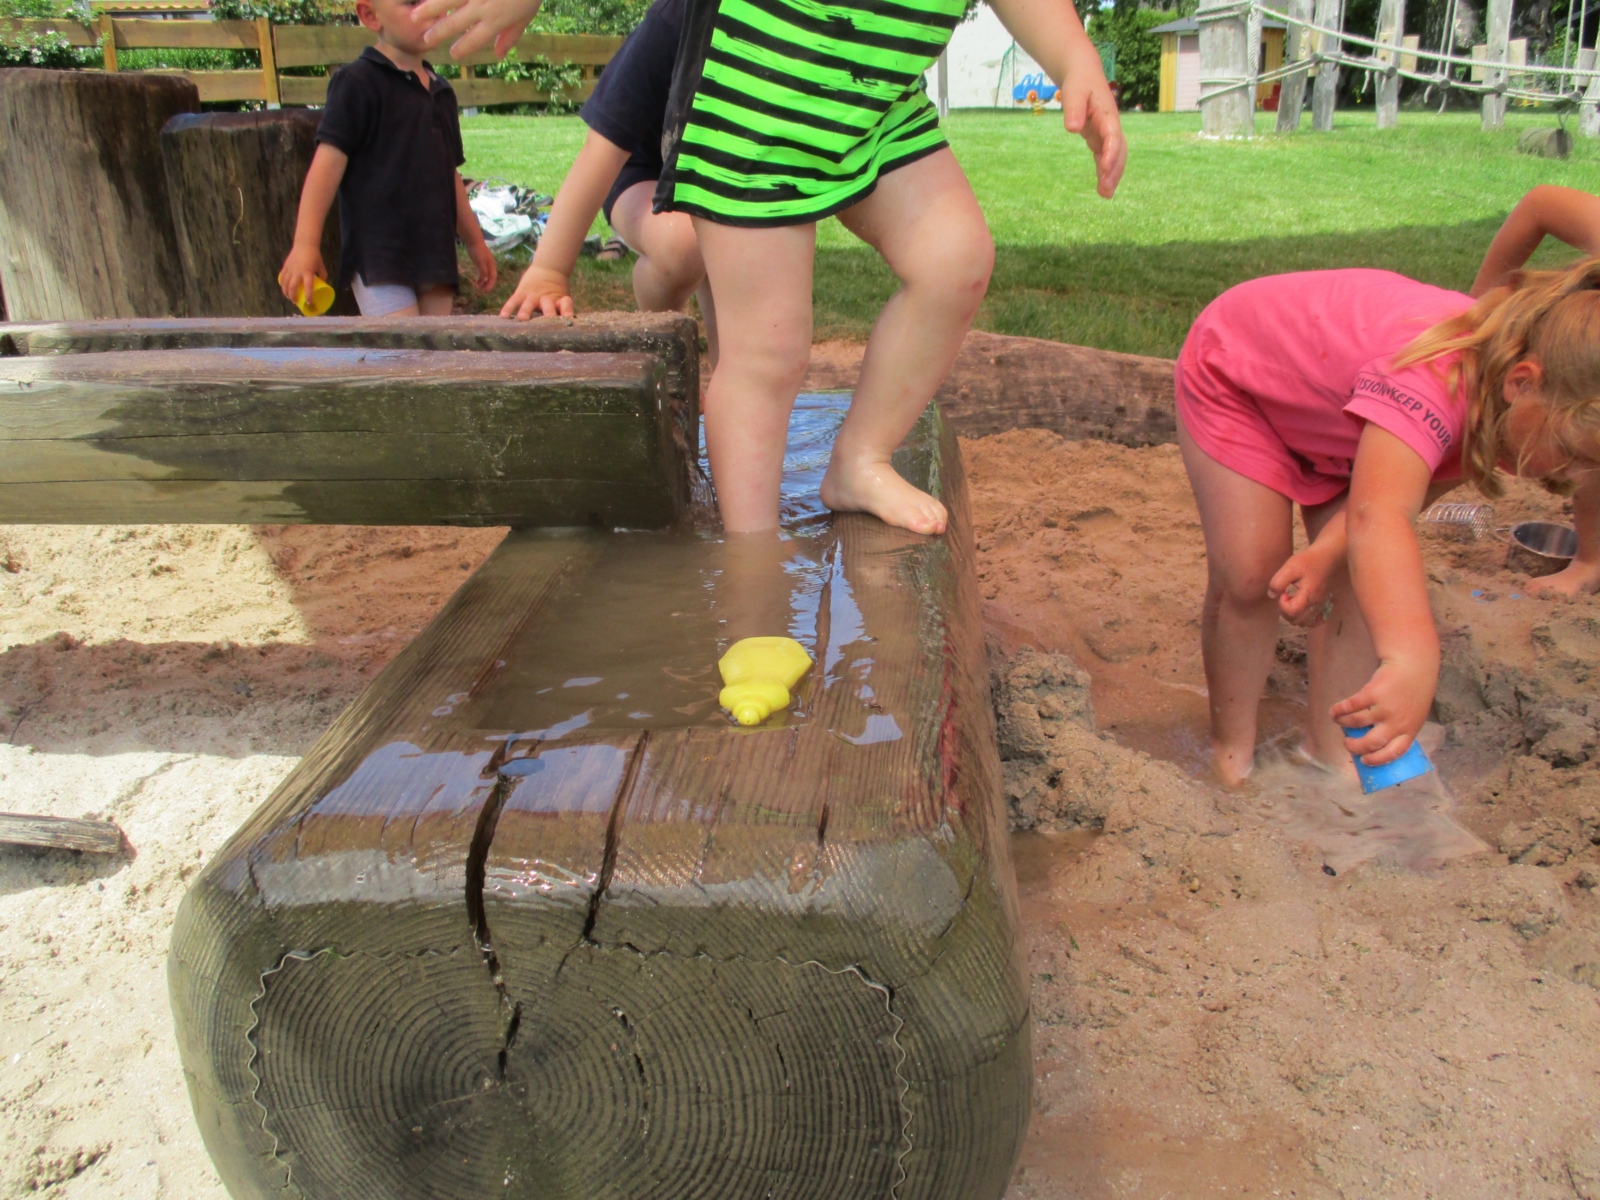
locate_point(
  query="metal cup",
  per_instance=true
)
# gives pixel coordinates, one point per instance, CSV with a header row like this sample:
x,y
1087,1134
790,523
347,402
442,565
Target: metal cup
x,y
1541,547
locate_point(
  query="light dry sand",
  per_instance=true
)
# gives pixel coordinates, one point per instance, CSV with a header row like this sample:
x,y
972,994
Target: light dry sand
x,y
1216,1015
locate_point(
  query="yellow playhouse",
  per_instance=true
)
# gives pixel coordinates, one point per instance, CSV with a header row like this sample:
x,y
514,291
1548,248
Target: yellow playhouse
x,y
1180,64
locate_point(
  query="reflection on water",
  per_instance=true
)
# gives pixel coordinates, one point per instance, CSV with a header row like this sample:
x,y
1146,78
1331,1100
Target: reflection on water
x,y
631,640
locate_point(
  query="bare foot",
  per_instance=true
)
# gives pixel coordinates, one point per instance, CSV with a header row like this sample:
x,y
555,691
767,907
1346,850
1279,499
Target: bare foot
x,y
1232,767
876,487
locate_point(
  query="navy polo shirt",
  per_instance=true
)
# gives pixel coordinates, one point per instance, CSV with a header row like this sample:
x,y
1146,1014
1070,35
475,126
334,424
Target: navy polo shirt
x,y
397,200
629,102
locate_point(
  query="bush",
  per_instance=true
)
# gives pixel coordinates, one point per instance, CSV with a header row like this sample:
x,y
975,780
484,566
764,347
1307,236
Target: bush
x,y
1138,50
49,50
590,16
286,12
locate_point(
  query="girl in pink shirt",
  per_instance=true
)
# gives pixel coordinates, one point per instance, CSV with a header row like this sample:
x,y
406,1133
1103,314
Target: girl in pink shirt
x,y
1363,396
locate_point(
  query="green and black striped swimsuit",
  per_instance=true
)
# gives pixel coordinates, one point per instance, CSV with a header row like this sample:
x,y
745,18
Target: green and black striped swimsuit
x,y
787,111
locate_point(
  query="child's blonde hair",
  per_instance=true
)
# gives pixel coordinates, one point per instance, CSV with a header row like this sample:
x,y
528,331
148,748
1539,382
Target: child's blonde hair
x,y
1551,317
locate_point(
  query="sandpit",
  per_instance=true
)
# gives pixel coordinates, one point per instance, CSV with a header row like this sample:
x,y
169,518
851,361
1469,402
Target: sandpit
x,y
1274,993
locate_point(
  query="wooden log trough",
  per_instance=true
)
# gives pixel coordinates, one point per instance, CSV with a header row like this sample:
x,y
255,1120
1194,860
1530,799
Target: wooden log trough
x,y
533,919
348,421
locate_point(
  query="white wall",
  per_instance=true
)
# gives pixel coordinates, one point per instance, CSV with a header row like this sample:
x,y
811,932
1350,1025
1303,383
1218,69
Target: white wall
x,y
977,60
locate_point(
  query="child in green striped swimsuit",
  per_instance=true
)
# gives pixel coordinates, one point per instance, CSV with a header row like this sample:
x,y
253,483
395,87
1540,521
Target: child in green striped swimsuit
x,y
784,112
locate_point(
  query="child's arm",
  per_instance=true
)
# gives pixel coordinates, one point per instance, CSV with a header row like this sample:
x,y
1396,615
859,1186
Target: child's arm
x,y
1583,573
470,232
1547,210
304,265
1052,34
545,287
475,23
1387,490
1301,585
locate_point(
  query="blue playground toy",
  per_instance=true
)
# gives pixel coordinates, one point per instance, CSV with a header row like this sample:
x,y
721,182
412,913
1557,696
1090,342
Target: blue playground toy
x,y
1034,89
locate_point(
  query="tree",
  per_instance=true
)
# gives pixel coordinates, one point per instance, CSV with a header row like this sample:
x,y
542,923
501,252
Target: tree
x,y
1138,50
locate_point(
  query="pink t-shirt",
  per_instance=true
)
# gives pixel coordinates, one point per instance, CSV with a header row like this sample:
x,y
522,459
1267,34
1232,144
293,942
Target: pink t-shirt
x,y
1279,375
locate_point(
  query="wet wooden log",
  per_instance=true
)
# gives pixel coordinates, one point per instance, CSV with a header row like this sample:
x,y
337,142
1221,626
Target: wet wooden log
x,y
585,940
669,337
340,436
999,383
234,181
84,220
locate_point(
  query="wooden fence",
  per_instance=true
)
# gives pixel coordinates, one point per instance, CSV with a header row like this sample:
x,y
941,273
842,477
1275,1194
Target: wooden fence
x,y
284,47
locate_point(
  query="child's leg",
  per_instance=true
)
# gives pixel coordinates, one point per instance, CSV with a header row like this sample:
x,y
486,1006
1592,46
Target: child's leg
x,y
762,282
436,301
926,223
1248,537
669,269
1340,657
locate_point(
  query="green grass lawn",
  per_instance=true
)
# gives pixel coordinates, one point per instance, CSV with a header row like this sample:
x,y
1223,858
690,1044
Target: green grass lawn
x,y
1191,218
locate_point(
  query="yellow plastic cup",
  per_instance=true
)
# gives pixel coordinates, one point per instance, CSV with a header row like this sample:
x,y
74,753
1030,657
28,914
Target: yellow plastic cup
x,y
321,299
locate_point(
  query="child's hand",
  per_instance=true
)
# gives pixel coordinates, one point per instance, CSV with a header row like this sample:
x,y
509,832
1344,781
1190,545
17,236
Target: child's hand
x,y
1087,109
475,23
300,272
540,292
1301,587
1395,703
483,263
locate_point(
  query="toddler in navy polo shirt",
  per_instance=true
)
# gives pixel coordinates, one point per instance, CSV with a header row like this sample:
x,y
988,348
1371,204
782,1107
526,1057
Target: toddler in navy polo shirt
x,y
388,146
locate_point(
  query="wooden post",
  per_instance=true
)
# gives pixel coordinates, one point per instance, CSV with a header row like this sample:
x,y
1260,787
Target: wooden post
x,y
269,62
1589,106
234,183
1227,85
1391,30
483,943
108,42
1498,20
1297,45
84,219
1325,92
338,437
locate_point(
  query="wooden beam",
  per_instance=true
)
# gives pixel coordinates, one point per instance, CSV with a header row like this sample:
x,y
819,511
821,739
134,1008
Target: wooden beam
x,y
1227,108
1325,92
670,338
60,833
1497,27
1297,49
632,953
269,61
336,437
108,42
147,33
1391,32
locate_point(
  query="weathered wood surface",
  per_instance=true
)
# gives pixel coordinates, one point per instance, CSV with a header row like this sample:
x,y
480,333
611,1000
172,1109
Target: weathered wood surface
x,y
1296,48
1329,14
60,833
233,180
337,436
999,383
670,337
85,227
470,949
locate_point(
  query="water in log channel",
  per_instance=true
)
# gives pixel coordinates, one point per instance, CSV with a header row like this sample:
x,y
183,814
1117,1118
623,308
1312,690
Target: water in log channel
x,y
535,920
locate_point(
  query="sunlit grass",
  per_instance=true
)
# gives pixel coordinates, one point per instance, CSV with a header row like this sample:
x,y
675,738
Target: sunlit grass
x,y
1192,217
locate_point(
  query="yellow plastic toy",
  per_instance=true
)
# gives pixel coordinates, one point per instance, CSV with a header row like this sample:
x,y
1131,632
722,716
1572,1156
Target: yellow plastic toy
x,y
321,299
759,672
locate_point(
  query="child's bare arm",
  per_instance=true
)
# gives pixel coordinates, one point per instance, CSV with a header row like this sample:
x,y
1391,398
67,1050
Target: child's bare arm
x,y
1050,31
1387,489
304,265
1583,573
471,233
474,24
545,287
1547,210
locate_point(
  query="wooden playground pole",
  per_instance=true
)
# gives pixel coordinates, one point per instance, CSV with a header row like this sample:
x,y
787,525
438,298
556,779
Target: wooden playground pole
x,y
1296,49
1329,15
1499,34
1589,107
1391,29
1227,109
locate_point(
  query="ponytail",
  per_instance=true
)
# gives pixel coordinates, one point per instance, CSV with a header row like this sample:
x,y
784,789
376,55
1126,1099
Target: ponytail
x,y
1551,317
